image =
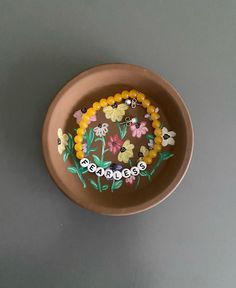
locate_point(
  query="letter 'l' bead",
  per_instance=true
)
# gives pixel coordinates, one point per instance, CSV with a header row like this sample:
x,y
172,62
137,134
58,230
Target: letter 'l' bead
x,y
134,171
92,167
84,162
108,173
126,173
100,171
142,165
117,175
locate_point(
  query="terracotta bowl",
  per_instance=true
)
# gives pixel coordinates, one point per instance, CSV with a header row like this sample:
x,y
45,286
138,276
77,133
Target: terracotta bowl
x,y
138,194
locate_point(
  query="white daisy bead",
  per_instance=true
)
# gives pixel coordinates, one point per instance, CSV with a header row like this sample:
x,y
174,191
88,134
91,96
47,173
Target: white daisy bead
x,y
108,173
126,173
99,171
117,175
142,165
84,162
92,167
134,171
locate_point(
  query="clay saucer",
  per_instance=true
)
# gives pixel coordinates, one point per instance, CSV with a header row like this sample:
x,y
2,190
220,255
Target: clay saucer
x,y
122,197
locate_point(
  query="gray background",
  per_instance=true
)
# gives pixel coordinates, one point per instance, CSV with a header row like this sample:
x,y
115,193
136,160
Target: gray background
x,y
188,240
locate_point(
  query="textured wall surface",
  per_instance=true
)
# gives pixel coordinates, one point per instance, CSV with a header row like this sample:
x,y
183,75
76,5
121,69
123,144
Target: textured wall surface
x,y
188,240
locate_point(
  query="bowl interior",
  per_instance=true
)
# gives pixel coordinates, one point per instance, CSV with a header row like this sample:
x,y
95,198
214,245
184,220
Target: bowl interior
x,y
100,82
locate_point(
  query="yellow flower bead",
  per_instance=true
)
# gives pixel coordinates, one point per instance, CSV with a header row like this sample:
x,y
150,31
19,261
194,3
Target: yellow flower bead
x,y
125,94
85,117
133,93
80,131
157,132
145,103
147,160
83,124
80,154
78,147
91,112
155,116
152,154
110,100
150,109
156,124
103,102
140,97
96,106
118,97
157,147
78,139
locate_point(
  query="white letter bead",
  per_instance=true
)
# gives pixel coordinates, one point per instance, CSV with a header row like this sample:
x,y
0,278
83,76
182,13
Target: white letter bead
x,y
108,173
117,175
126,173
84,162
92,167
100,171
142,165
134,171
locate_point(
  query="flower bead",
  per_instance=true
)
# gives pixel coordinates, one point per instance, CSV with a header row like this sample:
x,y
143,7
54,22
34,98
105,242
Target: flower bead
x,y
115,112
62,141
126,152
167,137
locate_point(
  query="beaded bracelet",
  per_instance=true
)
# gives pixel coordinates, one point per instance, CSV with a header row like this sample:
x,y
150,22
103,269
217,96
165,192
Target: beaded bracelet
x,y
136,98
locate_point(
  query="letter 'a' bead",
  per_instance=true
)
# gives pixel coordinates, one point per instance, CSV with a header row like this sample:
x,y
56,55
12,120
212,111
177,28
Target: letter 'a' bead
x,y
142,165
84,162
134,171
117,175
126,173
100,171
92,167
108,173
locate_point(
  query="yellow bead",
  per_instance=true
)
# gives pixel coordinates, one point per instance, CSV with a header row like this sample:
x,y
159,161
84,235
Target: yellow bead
x,y
83,124
125,94
157,132
147,159
103,102
96,106
156,124
78,146
152,154
140,97
118,97
110,100
133,93
85,117
158,139
150,109
78,139
80,154
145,103
155,116
80,131
157,147
91,112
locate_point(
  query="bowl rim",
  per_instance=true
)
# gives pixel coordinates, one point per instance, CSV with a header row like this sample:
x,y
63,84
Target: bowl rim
x,y
189,141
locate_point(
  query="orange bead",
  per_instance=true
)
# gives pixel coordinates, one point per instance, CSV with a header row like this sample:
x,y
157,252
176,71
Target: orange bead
x,y
158,139
96,106
155,116
80,154
78,139
91,112
103,102
83,124
140,97
156,124
85,117
78,146
150,109
117,97
110,100
145,103
152,154
147,159
157,132
125,94
80,131
157,147
133,93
